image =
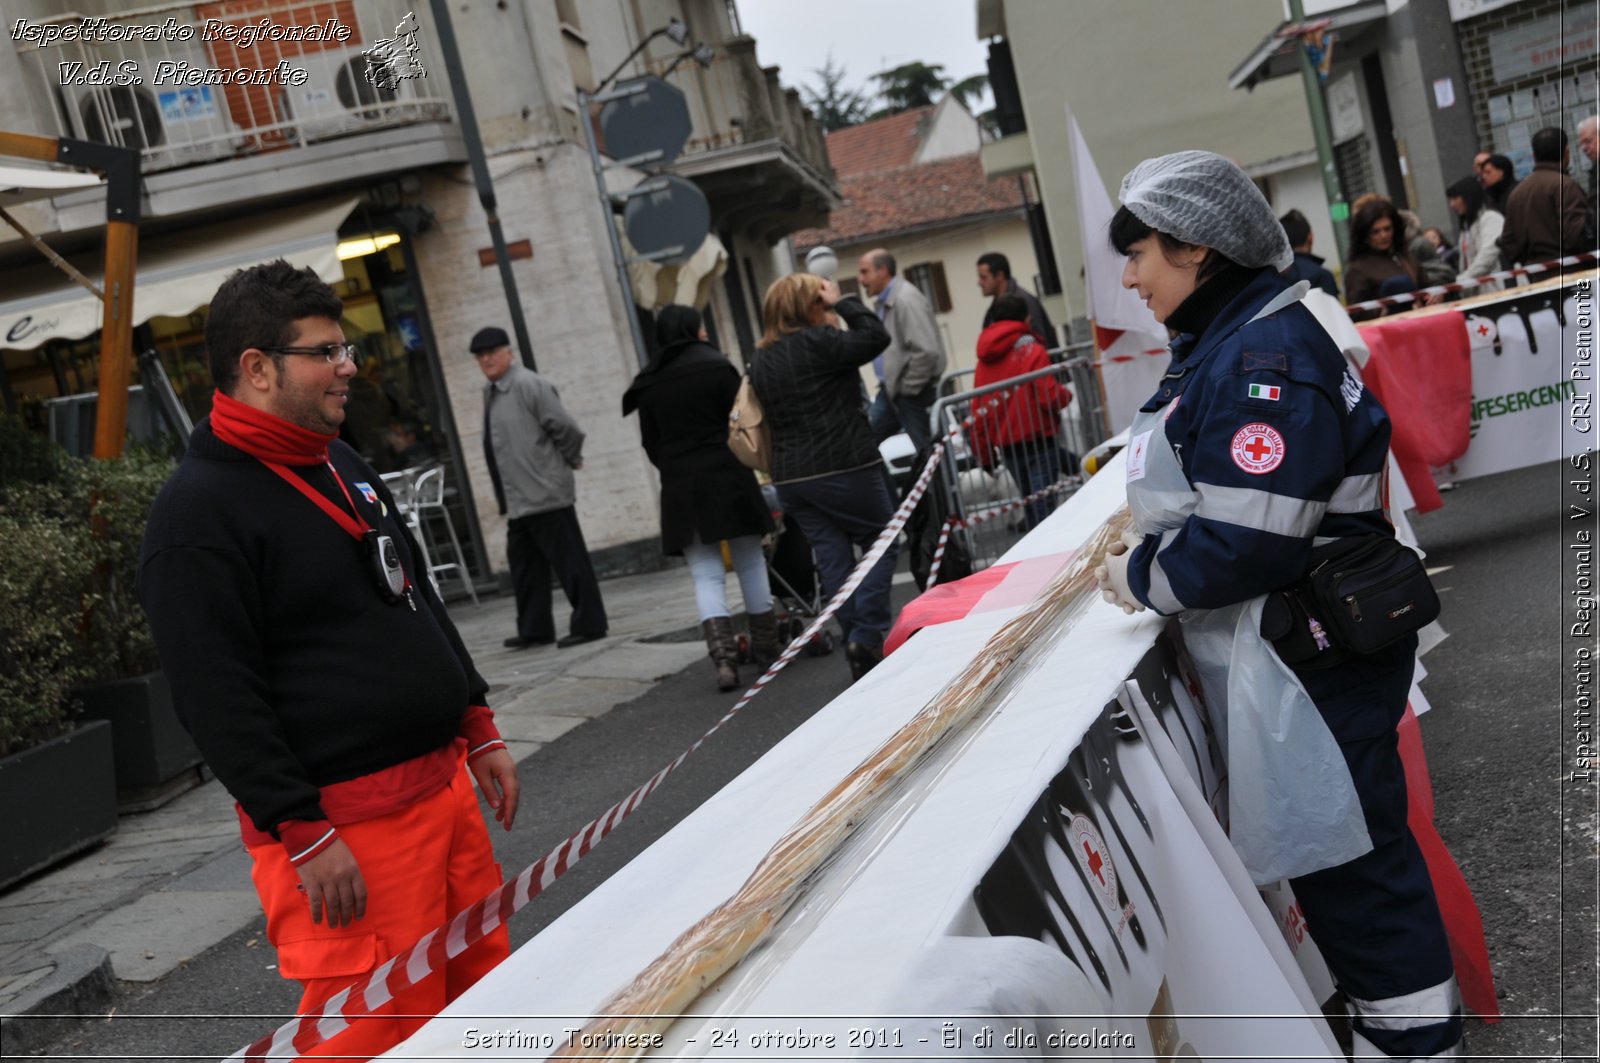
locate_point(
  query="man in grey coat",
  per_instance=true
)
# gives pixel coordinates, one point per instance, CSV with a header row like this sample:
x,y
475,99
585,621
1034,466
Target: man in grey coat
x,y
533,446
909,370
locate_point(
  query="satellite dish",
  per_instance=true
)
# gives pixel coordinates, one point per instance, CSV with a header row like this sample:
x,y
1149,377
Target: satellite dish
x,y
674,214
654,119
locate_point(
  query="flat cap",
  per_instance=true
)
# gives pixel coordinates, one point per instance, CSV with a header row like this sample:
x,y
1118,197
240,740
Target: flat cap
x,y
487,339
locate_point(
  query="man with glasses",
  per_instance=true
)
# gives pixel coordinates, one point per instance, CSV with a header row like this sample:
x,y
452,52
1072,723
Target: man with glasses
x,y
316,667
533,446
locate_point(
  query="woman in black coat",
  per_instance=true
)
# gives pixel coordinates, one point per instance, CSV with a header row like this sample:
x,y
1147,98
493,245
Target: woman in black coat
x,y
825,464
683,397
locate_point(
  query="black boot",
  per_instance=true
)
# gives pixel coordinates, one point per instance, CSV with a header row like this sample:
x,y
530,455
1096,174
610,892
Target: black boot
x,y
861,658
724,650
765,646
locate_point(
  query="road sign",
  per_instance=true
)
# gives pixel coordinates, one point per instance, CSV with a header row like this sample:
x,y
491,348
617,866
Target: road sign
x,y
666,218
652,117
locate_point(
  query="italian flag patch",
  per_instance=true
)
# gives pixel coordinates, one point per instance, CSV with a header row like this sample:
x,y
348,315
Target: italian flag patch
x,y
1265,391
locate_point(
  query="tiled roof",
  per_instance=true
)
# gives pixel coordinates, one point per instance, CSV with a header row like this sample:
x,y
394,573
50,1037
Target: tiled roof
x,y
886,144
912,197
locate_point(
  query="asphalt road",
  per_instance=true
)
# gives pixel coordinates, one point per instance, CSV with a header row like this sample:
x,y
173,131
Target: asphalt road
x,y
1498,746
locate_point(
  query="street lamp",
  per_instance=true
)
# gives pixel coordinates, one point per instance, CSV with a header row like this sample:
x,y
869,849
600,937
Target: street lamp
x,y
703,53
674,30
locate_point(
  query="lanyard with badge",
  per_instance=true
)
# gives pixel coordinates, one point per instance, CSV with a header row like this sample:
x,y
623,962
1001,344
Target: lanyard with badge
x,y
382,557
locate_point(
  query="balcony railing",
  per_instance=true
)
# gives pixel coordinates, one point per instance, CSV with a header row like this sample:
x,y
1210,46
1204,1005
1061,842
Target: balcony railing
x,y
167,79
736,101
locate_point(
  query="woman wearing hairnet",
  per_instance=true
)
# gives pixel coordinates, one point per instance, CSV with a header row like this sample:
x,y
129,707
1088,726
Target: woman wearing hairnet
x,y
1259,445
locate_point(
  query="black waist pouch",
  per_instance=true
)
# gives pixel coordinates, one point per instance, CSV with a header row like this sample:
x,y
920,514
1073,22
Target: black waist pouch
x,y
1361,595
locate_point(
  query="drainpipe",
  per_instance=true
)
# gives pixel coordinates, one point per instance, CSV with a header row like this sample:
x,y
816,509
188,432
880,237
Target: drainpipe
x,y
467,118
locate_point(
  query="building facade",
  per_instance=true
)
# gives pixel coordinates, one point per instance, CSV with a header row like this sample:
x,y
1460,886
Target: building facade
x,y
913,184
370,186
1136,92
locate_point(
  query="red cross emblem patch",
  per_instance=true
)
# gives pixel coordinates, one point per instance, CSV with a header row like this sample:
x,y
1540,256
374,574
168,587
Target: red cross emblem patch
x,y
1095,859
1257,448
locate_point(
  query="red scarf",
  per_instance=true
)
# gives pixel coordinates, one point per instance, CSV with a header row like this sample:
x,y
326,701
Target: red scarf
x,y
265,435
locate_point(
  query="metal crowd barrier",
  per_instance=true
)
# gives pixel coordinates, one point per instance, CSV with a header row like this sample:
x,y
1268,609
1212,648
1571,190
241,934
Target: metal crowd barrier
x,y
1019,458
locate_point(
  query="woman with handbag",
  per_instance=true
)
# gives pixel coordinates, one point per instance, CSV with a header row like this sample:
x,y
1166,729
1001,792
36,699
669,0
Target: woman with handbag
x,y
683,396
829,474
1259,446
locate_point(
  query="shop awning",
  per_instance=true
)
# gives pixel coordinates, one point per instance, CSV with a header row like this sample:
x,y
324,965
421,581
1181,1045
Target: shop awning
x,y
1276,56
177,273
19,184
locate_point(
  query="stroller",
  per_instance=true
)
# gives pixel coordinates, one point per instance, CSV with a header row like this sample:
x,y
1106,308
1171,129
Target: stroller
x,y
795,586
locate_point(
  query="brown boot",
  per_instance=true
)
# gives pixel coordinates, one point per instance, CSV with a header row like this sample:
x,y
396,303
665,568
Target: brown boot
x,y
724,650
765,645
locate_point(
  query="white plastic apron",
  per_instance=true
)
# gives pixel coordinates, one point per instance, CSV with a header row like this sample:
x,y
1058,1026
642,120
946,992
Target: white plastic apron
x,y
1292,807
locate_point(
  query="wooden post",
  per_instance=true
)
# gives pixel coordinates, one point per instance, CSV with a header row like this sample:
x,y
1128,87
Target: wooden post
x,y
121,167
116,340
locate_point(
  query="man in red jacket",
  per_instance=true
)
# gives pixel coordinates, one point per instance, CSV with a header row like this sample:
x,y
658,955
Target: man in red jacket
x,y
1021,427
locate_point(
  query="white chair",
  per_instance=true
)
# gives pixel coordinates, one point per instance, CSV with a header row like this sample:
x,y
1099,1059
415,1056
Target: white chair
x,y
402,485
427,497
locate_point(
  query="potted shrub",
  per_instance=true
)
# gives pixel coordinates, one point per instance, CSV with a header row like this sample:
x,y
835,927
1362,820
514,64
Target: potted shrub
x,y
56,777
156,760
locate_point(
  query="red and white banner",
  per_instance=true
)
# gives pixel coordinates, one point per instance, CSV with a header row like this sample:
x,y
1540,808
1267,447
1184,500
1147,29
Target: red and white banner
x,y
1495,383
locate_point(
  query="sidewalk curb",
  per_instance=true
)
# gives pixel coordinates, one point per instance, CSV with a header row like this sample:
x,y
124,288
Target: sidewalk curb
x,y
82,984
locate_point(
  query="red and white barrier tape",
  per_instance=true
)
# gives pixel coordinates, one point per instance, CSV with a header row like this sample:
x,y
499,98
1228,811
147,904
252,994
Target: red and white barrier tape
x,y
952,523
1455,287
303,1033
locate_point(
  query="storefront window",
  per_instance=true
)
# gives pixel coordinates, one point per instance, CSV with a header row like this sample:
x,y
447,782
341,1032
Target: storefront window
x,y
394,418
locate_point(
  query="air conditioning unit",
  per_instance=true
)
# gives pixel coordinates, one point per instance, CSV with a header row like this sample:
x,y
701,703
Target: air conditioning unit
x,y
337,98
172,125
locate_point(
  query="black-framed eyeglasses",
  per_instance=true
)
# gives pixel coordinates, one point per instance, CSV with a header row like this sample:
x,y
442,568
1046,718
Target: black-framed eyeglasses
x,y
332,353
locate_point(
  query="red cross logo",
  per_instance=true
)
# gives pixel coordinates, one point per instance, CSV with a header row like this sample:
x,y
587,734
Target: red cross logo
x,y
1257,448
1094,862
1094,858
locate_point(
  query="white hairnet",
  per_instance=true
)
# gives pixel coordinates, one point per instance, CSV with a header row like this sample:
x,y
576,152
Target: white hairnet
x,y
1201,198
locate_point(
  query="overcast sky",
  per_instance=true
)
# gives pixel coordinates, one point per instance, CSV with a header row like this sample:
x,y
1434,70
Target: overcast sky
x,y
864,36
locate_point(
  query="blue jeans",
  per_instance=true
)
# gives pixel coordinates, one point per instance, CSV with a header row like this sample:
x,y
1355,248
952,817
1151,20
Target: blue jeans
x,y
838,513
903,413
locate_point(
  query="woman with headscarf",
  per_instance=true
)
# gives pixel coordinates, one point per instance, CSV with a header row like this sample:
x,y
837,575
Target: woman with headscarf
x,y
683,397
1481,225
824,461
1499,181
1259,445
1378,263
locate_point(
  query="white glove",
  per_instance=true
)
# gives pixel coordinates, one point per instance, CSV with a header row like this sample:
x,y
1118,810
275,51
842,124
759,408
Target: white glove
x,y
1112,574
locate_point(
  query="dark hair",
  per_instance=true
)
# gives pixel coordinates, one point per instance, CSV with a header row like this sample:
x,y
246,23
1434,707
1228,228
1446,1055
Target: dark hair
x,y
1548,144
995,262
1505,166
677,325
1296,228
1368,216
257,307
1126,229
1009,308
1471,193
884,260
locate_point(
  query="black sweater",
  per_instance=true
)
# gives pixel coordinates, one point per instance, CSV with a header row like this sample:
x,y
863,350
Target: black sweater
x,y
809,384
287,666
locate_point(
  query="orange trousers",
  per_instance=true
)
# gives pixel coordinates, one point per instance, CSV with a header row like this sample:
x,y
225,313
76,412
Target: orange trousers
x,y
422,865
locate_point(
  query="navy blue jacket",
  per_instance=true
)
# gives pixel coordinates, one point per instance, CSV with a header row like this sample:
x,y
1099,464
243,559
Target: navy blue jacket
x,y
1309,267
1295,461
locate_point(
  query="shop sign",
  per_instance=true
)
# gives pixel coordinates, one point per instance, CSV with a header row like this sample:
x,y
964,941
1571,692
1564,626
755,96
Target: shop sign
x,y
1344,109
1568,37
1464,9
